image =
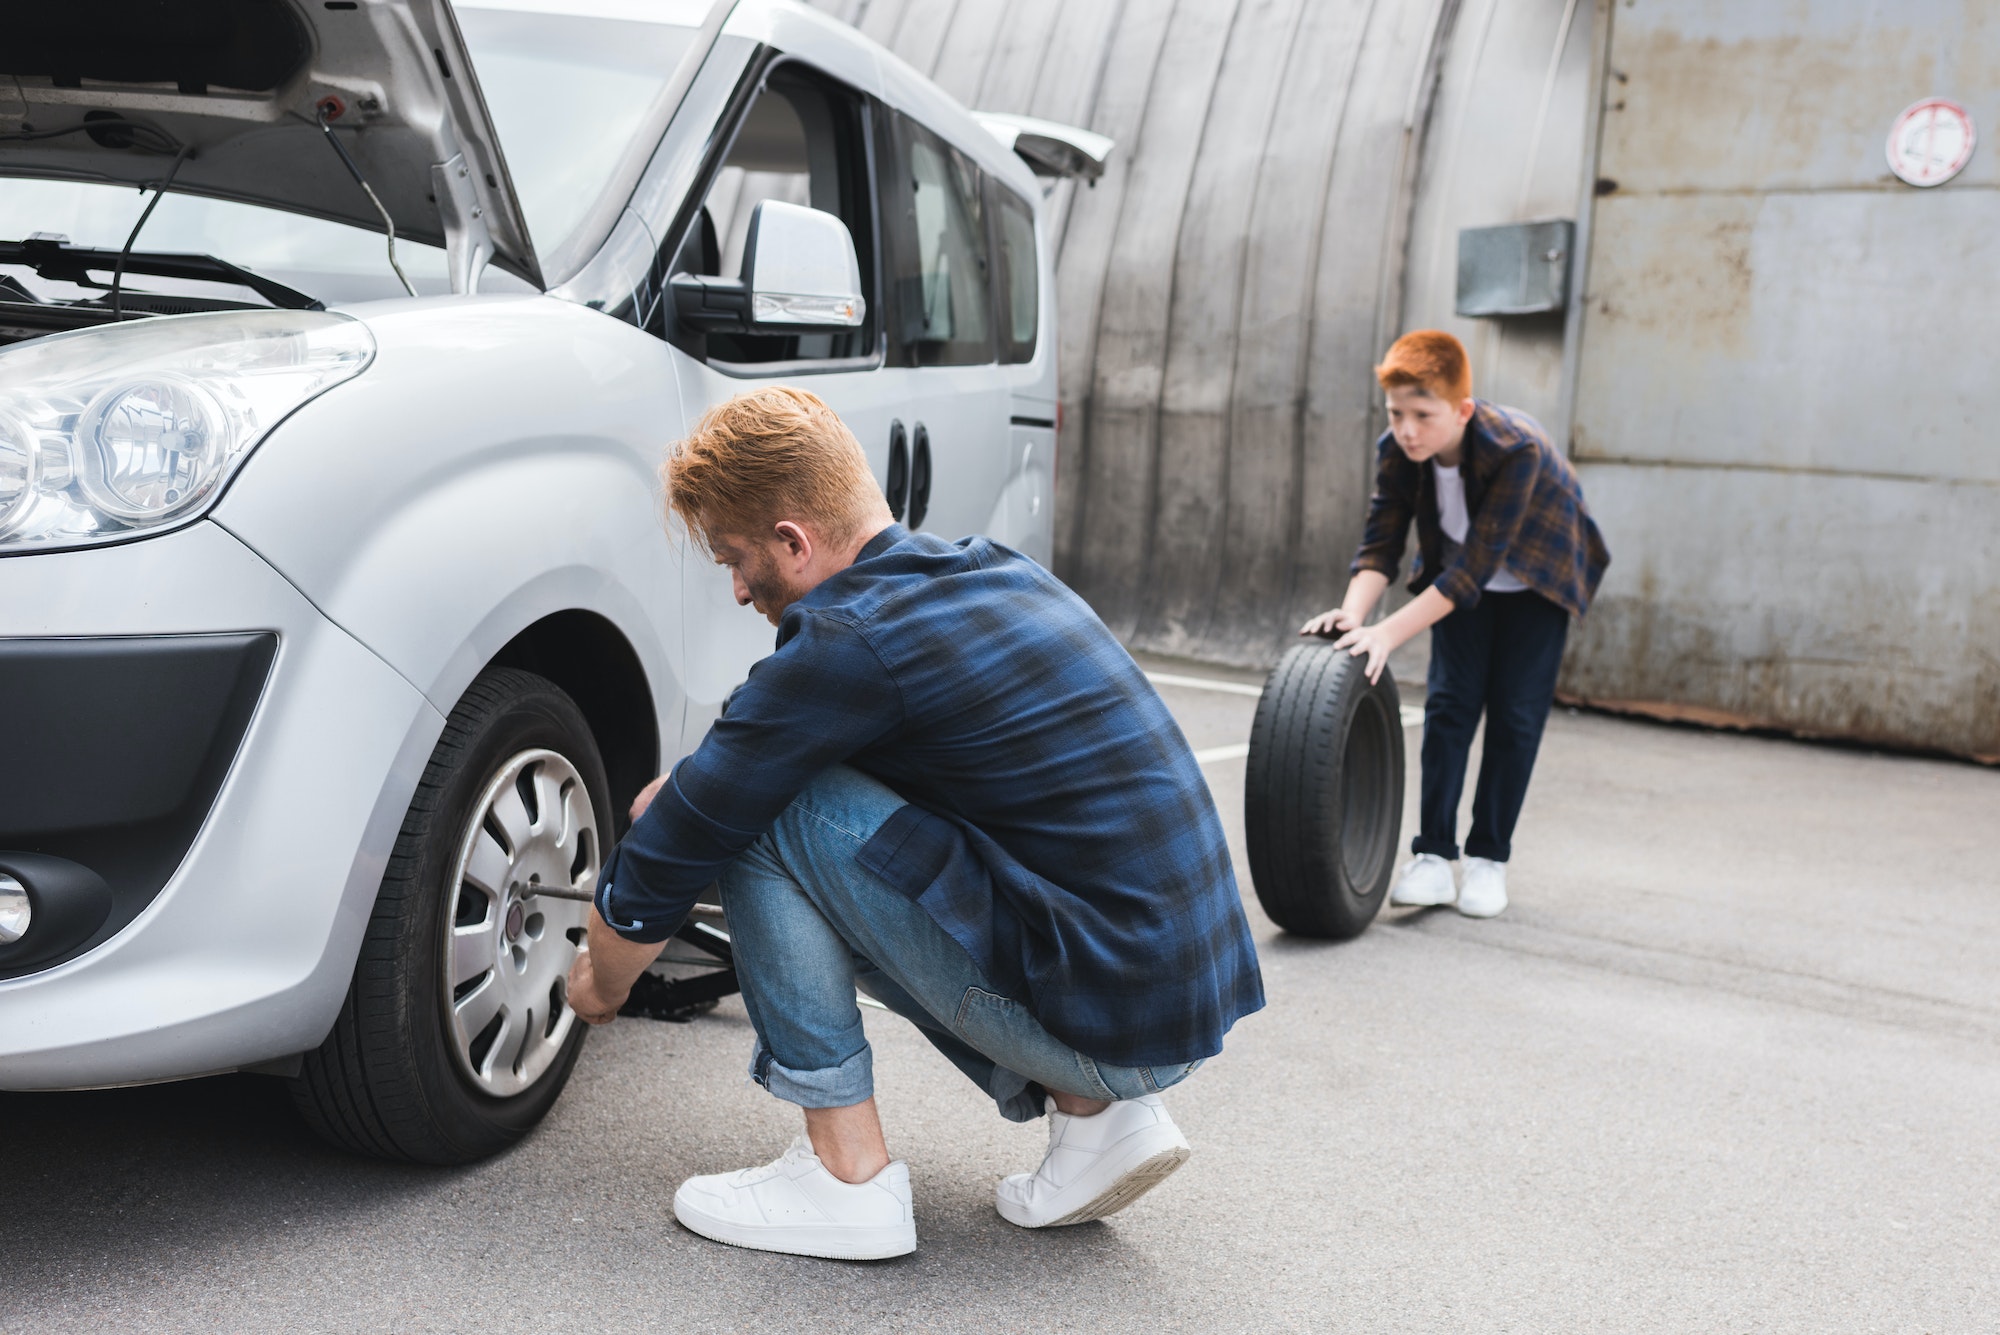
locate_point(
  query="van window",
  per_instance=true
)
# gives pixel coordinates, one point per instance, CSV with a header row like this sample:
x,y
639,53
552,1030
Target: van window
x,y
939,284
1020,278
803,140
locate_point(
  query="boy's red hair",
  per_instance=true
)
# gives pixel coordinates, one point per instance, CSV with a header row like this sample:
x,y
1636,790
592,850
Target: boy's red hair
x,y
1429,360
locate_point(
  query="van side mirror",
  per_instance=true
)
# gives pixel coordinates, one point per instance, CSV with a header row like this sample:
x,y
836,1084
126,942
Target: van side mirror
x,y
799,272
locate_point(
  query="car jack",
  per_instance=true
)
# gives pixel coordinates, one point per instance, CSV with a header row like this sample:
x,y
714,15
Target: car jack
x,y
681,999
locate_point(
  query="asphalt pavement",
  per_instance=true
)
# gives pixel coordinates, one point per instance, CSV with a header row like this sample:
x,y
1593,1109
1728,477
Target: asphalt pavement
x,y
1730,1062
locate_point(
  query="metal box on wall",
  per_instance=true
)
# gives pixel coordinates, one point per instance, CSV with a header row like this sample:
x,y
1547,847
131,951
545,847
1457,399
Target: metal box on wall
x,y
1514,268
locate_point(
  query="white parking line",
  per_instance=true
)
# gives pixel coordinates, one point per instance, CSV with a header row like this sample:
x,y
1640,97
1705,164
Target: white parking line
x,y
1411,715
1205,684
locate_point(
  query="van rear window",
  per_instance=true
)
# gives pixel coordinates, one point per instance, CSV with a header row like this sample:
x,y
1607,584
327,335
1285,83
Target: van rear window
x,y
1020,276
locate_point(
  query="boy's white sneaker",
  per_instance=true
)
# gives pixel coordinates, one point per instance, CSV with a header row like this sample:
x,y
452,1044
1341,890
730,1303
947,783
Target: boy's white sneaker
x,y
794,1205
1096,1165
1485,891
1424,880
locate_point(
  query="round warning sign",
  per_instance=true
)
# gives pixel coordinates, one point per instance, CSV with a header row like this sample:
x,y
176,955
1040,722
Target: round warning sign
x,y
1930,142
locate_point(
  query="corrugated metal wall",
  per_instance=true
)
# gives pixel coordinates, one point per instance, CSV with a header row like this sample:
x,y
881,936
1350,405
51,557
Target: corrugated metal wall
x,y
1787,386
1224,288
1776,383
1506,145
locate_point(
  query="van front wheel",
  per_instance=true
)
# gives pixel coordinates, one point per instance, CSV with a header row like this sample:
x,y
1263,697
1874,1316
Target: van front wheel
x,y
456,1036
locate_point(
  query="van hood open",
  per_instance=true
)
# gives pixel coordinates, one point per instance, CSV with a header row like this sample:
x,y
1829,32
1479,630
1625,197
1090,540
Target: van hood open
x,y
111,90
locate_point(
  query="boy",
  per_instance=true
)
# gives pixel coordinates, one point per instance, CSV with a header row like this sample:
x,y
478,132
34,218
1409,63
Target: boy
x,y
1506,554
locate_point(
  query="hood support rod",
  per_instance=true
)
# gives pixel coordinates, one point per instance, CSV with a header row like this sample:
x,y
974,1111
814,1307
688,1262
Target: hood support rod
x,y
354,171
124,255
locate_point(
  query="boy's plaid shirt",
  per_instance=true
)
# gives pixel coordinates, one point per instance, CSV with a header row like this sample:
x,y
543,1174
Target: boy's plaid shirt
x,y
1527,514
1059,827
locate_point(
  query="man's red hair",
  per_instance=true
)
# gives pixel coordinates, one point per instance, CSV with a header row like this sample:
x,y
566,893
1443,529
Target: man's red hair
x,y
773,453
1429,360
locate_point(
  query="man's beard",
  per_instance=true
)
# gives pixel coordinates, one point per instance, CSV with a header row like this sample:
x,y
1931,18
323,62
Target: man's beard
x,y
770,593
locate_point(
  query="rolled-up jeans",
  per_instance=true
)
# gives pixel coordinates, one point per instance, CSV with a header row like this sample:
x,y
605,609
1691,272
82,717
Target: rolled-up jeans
x,y
810,924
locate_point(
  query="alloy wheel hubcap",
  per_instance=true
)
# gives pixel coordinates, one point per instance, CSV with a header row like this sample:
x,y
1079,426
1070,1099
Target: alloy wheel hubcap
x,y
508,947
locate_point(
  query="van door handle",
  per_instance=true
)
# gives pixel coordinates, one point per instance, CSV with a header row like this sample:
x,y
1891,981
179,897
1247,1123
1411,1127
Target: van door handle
x,y
898,488
920,477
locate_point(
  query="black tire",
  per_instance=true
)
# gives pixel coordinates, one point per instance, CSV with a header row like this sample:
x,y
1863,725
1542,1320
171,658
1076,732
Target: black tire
x,y
388,1080
1323,796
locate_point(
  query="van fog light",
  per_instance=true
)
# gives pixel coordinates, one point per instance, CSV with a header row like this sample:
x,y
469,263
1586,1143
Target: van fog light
x,y
14,910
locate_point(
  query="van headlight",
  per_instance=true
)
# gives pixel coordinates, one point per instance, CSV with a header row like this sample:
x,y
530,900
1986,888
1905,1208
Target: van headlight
x,y
109,433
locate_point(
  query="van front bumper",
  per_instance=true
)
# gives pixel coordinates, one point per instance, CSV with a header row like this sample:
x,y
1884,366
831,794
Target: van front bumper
x,y
231,765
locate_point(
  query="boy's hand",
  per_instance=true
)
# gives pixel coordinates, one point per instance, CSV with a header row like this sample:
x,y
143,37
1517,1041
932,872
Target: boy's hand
x,y
1329,624
1376,641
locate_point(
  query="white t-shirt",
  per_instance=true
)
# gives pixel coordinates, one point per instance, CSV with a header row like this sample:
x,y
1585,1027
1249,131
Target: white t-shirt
x,y
1456,522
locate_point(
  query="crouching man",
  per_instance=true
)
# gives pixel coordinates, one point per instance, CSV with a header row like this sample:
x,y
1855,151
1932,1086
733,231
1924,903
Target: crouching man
x,y
951,788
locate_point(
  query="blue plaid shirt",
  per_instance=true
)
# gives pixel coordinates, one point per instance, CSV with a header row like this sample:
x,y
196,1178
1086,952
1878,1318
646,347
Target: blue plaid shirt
x,y
1057,824
1526,508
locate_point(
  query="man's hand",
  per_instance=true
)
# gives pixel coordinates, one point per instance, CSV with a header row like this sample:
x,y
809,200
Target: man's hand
x,y
646,796
1329,624
1377,642
602,977
589,1003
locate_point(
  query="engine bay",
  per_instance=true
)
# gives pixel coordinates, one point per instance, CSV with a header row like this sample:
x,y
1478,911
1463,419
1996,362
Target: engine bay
x,y
84,287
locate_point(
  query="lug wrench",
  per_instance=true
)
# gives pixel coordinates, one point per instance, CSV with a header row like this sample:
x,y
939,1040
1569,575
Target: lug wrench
x,y
675,999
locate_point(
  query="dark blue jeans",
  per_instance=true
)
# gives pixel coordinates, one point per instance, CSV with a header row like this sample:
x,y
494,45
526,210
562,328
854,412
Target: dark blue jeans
x,y
1499,656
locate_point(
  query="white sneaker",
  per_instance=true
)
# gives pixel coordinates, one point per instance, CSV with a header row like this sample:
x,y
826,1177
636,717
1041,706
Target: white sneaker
x,y
1424,880
1095,1165
1485,892
796,1206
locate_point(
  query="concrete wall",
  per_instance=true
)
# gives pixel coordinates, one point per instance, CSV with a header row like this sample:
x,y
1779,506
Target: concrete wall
x,y
1785,384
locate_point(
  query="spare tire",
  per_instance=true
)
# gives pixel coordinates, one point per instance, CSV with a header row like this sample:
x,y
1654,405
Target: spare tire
x,y
1323,798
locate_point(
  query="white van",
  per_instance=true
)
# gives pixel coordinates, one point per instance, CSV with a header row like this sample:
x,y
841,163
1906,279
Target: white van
x,y
338,618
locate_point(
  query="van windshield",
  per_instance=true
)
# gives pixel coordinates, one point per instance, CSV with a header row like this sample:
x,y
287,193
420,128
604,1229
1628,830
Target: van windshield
x,y
566,94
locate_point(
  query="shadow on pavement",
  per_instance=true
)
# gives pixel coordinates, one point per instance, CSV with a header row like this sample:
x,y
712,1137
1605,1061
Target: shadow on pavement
x,y
110,1176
